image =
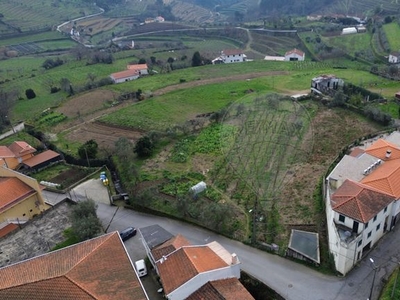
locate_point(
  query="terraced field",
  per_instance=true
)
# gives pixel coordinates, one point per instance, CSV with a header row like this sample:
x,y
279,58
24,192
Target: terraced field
x,y
34,15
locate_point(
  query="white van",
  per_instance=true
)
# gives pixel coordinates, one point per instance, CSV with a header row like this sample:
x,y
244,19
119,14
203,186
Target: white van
x,y
140,267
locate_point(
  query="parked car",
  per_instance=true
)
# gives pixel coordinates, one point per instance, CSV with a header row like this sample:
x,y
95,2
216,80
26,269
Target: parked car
x,y
141,268
127,233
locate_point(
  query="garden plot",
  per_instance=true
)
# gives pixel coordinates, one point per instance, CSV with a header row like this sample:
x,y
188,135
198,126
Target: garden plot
x,y
263,138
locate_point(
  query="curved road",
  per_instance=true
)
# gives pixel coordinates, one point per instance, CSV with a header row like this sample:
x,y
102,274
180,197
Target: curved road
x,y
291,280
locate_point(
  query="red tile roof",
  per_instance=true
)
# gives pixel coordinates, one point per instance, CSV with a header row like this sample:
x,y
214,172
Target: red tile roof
x,y
295,51
7,229
169,246
385,178
379,148
224,289
20,148
13,190
357,152
190,261
137,67
96,269
5,152
232,52
124,74
358,201
41,158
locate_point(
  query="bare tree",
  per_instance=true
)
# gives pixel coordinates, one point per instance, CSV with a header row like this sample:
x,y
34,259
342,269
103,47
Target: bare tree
x,y
7,101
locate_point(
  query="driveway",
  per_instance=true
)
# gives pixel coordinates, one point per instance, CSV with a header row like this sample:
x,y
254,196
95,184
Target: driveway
x,y
292,280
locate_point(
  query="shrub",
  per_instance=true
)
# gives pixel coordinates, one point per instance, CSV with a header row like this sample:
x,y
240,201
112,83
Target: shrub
x,y
30,94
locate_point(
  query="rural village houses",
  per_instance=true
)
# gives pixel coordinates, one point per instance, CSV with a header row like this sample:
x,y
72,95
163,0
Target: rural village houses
x,y
20,199
363,199
99,268
205,271
394,58
132,72
230,56
295,55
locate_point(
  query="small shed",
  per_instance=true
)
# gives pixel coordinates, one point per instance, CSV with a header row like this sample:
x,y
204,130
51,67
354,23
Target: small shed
x,y
41,160
397,95
349,30
304,245
198,188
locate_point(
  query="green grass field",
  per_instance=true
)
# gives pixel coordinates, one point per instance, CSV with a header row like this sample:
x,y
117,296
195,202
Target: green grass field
x,y
392,31
35,14
350,43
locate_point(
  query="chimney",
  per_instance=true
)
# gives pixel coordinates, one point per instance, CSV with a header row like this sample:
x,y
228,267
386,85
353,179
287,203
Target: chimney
x,y
234,259
388,153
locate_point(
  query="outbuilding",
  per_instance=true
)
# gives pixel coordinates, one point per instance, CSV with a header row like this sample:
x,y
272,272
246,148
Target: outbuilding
x,y
349,30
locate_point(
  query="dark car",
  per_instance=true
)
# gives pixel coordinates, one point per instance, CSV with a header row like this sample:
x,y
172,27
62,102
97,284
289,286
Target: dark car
x,y
127,233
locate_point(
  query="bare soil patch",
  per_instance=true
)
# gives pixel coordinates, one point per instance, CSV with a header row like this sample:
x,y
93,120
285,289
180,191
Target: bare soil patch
x,y
104,135
87,103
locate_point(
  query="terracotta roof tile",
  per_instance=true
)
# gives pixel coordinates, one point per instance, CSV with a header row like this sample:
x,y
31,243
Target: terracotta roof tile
x,y
137,67
5,152
356,152
224,289
40,158
232,52
20,148
379,148
124,74
190,261
7,229
96,269
295,51
358,201
169,246
385,178
13,190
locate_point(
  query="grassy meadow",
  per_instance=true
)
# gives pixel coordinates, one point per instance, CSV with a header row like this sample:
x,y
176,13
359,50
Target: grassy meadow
x,y
350,43
392,31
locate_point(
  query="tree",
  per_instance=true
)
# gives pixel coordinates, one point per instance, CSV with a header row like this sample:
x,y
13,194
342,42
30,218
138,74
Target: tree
x,y
85,224
196,59
144,147
88,150
7,100
142,61
30,94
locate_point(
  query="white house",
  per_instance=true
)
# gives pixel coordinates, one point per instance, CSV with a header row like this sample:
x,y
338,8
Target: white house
x,y
230,56
124,76
394,58
294,55
362,200
142,69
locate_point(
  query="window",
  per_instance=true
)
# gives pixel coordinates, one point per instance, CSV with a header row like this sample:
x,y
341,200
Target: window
x,y
366,225
369,234
375,218
377,227
385,209
24,215
359,243
30,210
341,218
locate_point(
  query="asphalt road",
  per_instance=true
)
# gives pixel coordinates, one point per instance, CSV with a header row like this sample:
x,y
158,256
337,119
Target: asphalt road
x,y
292,280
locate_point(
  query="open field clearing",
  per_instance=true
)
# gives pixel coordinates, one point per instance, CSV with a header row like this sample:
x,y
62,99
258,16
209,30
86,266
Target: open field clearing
x,y
350,43
392,31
